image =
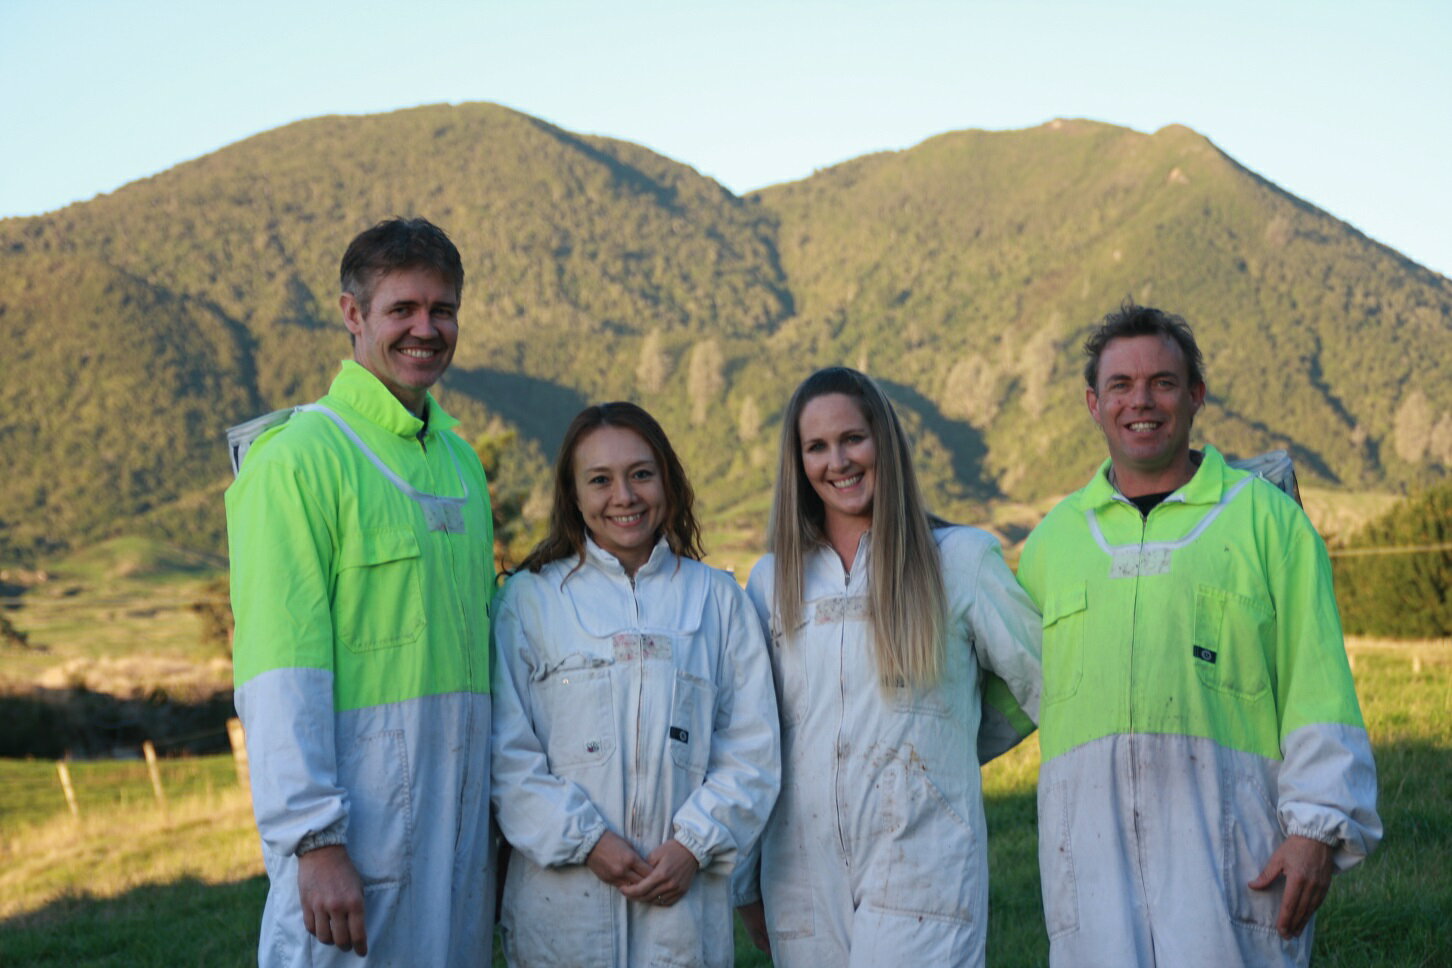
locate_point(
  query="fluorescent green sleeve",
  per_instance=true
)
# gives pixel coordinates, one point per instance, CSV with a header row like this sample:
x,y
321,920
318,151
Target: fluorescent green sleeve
x,y
282,561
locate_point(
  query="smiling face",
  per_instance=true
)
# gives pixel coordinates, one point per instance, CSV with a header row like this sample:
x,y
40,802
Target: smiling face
x,y
620,494
839,458
1145,405
407,336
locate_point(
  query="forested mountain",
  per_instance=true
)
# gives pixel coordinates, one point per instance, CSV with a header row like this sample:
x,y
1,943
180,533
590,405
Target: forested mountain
x,y
962,272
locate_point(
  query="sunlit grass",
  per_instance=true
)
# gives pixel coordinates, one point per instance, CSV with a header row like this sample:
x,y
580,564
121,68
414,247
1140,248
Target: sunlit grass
x,y
131,886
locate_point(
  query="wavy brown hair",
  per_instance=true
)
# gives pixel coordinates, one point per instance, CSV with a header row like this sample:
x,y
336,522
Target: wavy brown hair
x,y
905,587
566,538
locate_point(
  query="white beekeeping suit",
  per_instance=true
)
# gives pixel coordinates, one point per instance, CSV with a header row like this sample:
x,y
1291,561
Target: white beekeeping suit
x,y
876,853
644,708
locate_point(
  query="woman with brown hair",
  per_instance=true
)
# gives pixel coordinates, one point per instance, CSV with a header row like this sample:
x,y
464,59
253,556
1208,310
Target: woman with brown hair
x,y
635,750
885,625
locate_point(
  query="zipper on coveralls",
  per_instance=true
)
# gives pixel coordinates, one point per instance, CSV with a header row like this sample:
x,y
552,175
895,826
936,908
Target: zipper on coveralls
x,y
841,717
639,699
464,639
1131,738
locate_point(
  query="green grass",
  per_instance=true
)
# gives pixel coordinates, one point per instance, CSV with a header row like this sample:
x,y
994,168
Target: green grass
x,y
33,791
127,886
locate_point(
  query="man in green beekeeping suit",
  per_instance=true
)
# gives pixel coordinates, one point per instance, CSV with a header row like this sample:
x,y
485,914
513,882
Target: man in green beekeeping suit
x,y
1205,766
362,566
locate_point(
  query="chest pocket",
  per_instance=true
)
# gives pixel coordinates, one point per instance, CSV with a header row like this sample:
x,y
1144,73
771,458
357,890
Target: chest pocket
x,y
693,707
1065,613
378,603
576,721
1231,634
789,668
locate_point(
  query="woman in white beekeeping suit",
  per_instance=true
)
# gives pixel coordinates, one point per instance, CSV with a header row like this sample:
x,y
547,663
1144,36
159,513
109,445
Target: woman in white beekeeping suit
x,y
885,625
636,753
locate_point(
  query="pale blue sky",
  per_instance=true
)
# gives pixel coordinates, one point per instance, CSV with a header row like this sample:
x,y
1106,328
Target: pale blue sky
x,y
1344,104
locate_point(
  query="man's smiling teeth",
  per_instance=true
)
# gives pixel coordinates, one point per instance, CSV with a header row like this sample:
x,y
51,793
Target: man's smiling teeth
x,y
418,352
628,519
848,482
1143,425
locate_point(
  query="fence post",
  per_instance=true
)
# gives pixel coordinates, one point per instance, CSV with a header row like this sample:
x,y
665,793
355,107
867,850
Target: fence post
x,y
238,740
150,751
70,791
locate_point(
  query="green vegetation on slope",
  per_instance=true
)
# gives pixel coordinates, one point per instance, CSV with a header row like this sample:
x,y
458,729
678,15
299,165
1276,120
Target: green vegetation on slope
x,y
962,272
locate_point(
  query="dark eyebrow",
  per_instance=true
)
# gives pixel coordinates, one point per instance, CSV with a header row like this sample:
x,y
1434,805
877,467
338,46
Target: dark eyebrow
x,y
648,462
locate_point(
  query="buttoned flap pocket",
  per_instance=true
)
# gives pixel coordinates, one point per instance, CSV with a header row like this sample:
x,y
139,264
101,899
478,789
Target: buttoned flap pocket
x,y
1229,647
1065,612
378,603
575,714
693,707
374,770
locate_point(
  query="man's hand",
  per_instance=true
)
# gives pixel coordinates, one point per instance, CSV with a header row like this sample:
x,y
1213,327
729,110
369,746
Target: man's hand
x,y
672,869
753,915
332,898
1306,865
615,862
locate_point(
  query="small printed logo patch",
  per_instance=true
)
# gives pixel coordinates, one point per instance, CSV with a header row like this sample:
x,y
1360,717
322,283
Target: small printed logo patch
x,y
1204,655
680,735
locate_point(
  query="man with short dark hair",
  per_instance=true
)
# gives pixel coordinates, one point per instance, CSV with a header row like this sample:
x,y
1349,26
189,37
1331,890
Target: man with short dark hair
x,y
362,566
1205,767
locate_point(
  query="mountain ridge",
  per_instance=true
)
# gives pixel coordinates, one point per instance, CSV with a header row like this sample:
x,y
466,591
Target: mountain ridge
x,y
963,272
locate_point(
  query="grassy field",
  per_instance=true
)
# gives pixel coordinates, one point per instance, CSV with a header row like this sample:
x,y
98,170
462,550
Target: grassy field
x,y
128,886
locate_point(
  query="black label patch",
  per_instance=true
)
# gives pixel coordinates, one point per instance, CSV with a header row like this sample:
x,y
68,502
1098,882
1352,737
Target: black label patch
x,y
680,735
1204,655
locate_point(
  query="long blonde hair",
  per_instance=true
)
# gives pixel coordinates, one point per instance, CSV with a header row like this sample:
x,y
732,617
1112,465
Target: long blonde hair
x,y
906,594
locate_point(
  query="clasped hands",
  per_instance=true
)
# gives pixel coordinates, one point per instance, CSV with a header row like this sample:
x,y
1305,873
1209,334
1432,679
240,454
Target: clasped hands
x,y
662,878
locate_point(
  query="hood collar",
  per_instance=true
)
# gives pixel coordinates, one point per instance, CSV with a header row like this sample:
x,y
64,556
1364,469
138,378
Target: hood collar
x,y
1206,487
357,387
604,560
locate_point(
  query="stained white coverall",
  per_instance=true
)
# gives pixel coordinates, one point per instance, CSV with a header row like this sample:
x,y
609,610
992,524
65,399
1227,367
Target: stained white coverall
x,y
876,853
1198,708
641,707
361,664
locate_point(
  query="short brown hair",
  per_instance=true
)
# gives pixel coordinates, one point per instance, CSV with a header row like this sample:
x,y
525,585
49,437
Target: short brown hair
x,y
1131,320
398,243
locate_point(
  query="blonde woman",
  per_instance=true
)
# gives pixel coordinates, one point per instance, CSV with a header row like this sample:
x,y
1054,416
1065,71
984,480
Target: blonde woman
x,y
884,624
635,735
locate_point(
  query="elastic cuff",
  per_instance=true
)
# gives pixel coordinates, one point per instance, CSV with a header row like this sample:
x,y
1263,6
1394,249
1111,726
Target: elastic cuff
x,y
698,850
331,837
1330,840
592,838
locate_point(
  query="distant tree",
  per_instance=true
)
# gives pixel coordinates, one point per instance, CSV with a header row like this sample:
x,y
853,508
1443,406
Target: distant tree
x,y
748,419
12,636
1412,427
654,366
1439,442
1406,594
705,378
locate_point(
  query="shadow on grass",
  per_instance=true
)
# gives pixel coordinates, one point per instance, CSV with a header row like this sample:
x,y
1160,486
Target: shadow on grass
x,y
186,922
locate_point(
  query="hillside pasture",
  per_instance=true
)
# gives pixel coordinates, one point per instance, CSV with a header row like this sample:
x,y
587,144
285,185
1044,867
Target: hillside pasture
x,y
129,886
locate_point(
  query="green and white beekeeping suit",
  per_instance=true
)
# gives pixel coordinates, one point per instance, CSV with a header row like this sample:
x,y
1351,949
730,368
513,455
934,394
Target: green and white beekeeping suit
x,y
1197,709
361,656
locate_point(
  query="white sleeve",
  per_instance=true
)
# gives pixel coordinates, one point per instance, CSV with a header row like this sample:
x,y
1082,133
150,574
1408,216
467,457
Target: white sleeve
x,y
727,813
548,818
1007,630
